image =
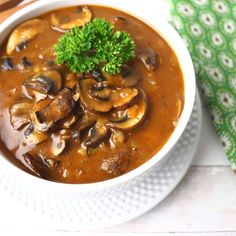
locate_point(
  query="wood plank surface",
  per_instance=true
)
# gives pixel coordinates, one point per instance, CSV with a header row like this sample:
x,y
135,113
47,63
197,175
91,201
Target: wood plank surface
x,y
7,4
5,14
203,202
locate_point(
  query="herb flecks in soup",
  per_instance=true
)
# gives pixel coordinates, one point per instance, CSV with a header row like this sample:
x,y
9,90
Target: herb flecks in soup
x,y
87,94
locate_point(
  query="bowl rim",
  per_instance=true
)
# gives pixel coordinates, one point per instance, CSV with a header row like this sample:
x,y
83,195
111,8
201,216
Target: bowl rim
x,y
168,33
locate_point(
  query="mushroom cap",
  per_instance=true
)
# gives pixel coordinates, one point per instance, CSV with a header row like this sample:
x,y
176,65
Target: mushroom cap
x,y
104,99
124,96
20,113
36,165
57,109
79,19
46,82
58,145
131,117
25,32
89,102
34,136
97,134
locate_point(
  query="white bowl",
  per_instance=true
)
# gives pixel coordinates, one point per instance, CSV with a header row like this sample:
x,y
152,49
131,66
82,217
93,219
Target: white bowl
x,y
175,42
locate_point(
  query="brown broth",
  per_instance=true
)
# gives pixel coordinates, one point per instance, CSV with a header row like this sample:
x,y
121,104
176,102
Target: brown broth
x,y
163,86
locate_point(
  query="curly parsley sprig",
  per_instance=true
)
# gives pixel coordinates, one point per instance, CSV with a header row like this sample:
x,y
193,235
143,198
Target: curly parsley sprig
x,y
95,44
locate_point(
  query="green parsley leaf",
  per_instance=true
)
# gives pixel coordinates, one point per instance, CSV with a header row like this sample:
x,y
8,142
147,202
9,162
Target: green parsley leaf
x,y
95,44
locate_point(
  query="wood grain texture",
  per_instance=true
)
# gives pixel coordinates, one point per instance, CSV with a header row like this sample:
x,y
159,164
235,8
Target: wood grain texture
x,y
5,14
203,202
7,4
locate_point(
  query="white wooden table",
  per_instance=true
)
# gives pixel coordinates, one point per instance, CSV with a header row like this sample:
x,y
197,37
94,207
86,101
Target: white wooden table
x,y
203,204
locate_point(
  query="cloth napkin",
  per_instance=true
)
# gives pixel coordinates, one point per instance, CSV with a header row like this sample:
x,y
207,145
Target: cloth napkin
x,y
208,28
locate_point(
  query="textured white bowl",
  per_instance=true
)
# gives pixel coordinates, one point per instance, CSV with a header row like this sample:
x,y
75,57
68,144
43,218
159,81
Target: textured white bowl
x,y
175,42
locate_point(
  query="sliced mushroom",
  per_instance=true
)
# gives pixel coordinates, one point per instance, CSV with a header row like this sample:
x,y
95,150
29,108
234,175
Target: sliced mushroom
x,y
51,162
117,138
100,86
97,75
58,144
56,110
102,94
123,96
6,64
100,90
47,82
96,135
130,77
89,102
40,83
131,117
95,96
25,63
34,136
116,164
25,32
149,58
71,80
67,21
84,124
22,46
65,134
36,165
38,124
76,96
119,117
39,96
69,120
20,113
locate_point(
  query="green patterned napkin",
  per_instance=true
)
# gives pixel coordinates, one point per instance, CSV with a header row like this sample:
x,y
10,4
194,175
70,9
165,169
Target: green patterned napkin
x,y
209,29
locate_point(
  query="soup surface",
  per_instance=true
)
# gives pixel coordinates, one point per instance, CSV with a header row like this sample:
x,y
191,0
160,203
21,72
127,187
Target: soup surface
x,y
85,127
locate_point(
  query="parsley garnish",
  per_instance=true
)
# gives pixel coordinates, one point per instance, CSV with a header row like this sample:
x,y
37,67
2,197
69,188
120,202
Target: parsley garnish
x,y
95,44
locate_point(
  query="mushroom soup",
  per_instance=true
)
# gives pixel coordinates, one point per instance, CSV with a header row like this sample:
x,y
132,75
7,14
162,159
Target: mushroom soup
x,y
64,124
